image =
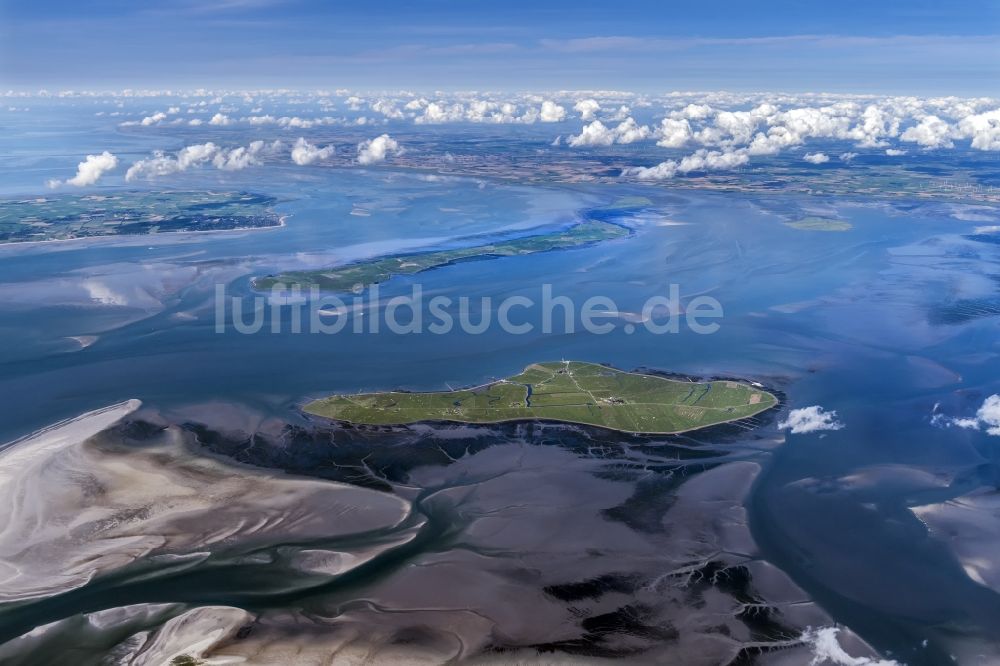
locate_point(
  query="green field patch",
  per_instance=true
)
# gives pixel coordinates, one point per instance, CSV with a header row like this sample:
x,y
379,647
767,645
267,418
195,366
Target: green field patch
x,y
568,391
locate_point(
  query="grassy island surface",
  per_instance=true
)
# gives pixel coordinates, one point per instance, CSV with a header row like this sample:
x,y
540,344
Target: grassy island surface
x,y
820,224
357,276
568,391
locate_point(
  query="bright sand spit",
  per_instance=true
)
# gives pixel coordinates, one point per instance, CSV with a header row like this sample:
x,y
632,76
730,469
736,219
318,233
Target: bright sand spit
x,y
79,503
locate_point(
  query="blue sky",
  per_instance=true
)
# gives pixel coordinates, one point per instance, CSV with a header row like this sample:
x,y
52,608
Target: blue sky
x,y
917,46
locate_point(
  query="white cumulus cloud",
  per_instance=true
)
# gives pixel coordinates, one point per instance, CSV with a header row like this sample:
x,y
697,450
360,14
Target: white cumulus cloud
x,y
700,160
989,414
983,129
987,418
551,112
440,113
810,419
674,133
816,158
587,108
376,150
304,153
387,108
594,134
931,132
226,159
597,133
154,119
89,171
693,112
629,131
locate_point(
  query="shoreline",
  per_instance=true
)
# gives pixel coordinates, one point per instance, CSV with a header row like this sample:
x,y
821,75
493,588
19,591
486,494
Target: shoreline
x,y
641,372
535,419
281,223
485,256
85,424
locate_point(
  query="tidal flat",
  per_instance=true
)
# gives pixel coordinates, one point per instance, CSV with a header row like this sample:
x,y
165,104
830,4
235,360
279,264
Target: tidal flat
x,y
244,538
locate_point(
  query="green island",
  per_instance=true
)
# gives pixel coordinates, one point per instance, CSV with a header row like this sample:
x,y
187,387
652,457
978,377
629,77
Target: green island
x,y
820,224
626,203
566,391
70,216
357,276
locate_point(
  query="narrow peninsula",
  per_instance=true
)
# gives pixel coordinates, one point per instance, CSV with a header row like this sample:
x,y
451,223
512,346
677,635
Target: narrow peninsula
x,y
358,276
566,391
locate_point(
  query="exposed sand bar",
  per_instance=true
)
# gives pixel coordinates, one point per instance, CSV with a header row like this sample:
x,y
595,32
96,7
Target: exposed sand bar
x,y
82,501
970,526
22,462
59,435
